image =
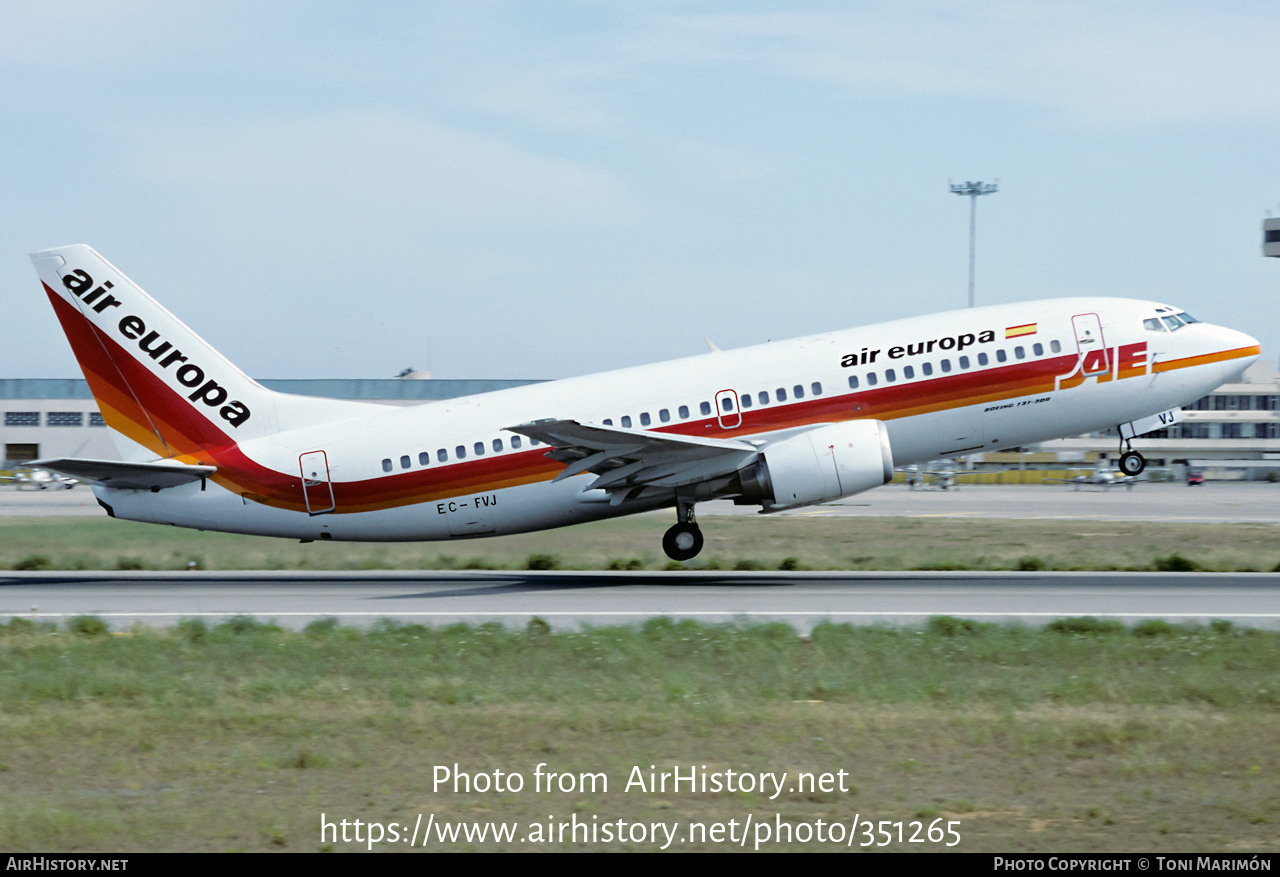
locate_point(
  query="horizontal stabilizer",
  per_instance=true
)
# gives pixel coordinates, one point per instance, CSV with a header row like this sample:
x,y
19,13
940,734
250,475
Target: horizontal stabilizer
x,y
127,476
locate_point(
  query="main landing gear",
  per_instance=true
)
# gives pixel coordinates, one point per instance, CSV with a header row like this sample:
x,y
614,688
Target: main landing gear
x,y
684,540
1131,462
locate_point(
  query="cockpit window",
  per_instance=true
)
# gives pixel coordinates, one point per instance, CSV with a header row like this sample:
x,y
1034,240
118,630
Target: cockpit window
x,y
1153,324
1173,323
1187,318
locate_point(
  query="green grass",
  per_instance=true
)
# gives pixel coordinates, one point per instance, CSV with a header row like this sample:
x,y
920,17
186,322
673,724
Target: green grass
x,y
951,662
1082,735
747,542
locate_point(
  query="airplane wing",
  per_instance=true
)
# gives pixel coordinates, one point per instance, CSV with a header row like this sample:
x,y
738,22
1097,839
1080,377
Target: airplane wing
x,y
130,476
626,458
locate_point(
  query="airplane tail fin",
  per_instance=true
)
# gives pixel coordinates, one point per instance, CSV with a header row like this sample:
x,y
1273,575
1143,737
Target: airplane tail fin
x,y
162,390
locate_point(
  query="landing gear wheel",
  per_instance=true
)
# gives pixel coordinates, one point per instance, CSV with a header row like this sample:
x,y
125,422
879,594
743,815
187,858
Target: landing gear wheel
x,y
682,542
1132,463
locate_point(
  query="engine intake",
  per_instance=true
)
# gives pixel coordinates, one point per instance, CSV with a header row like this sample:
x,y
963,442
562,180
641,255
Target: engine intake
x,y
822,464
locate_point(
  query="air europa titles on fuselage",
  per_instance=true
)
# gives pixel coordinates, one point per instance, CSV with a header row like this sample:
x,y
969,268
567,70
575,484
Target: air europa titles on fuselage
x,y
190,375
957,343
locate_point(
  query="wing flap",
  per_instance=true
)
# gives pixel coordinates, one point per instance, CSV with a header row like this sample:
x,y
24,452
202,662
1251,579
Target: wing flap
x,y
626,458
129,476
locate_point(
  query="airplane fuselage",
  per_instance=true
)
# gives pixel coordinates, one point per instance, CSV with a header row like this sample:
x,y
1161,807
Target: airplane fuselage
x,y
944,385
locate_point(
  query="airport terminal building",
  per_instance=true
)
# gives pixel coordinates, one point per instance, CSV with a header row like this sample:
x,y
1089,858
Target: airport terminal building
x,y
46,418
1233,433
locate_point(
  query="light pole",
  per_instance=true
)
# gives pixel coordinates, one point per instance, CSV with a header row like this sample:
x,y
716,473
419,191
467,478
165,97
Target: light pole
x,y
973,190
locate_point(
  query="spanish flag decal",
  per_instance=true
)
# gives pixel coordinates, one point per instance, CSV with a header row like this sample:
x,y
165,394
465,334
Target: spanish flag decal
x,y
1017,331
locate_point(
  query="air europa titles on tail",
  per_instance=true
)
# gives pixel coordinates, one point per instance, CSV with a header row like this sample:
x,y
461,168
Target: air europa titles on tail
x,y
190,375
777,426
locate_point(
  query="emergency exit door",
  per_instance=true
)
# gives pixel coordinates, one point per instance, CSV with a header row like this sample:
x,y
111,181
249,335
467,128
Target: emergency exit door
x,y
317,491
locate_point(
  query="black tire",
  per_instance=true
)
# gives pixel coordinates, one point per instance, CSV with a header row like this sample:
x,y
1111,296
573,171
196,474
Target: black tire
x,y
682,542
1132,463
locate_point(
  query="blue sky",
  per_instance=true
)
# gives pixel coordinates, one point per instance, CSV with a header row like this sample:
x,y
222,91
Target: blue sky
x,y
536,189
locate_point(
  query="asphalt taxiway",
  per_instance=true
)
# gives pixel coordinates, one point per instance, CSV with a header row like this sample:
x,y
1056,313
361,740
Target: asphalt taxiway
x,y
568,600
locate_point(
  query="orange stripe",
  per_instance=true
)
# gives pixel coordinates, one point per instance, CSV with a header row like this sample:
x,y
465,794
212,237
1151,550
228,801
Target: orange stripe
x,y
1205,359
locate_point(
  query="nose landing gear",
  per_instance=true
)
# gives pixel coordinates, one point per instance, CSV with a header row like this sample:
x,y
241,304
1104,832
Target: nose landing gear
x,y
1131,462
684,540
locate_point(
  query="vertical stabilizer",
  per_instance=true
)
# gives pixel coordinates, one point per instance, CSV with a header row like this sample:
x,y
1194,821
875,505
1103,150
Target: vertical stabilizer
x,y
162,390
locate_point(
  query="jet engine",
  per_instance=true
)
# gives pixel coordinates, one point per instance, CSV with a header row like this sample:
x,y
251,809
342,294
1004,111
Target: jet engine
x,y
818,465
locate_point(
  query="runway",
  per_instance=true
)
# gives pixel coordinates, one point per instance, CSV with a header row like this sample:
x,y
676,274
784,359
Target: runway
x,y
569,600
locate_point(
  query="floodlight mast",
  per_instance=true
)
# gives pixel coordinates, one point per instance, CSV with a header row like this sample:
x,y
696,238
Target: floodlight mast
x,y
973,190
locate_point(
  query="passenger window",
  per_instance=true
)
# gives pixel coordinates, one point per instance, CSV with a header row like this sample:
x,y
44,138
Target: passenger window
x,y
386,465
927,368
908,372
964,360
497,446
626,421
763,397
946,366
727,403
871,379
608,421
515,443
405,462
746,400
1000,355
705,408
644,418
460,452
982,359
1037,349
1055,347
780,394
424,459
798,391
442,455
664,415
533,442
853,382
684,412
1020,352
889,376
816,387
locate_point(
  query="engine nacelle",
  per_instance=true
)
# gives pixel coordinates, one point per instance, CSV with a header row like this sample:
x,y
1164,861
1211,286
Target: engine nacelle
x,y
822,464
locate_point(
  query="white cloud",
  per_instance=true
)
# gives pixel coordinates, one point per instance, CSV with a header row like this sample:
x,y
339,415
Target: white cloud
x,y
370,168
720,163
1101,63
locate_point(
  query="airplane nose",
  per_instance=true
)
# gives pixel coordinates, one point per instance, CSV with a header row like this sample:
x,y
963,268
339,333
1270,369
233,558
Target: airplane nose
x,y
1242,340
1233,339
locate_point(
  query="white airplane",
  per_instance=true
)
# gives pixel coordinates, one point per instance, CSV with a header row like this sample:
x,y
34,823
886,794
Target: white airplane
x,y
1102,477
779,425
39,479
943,479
